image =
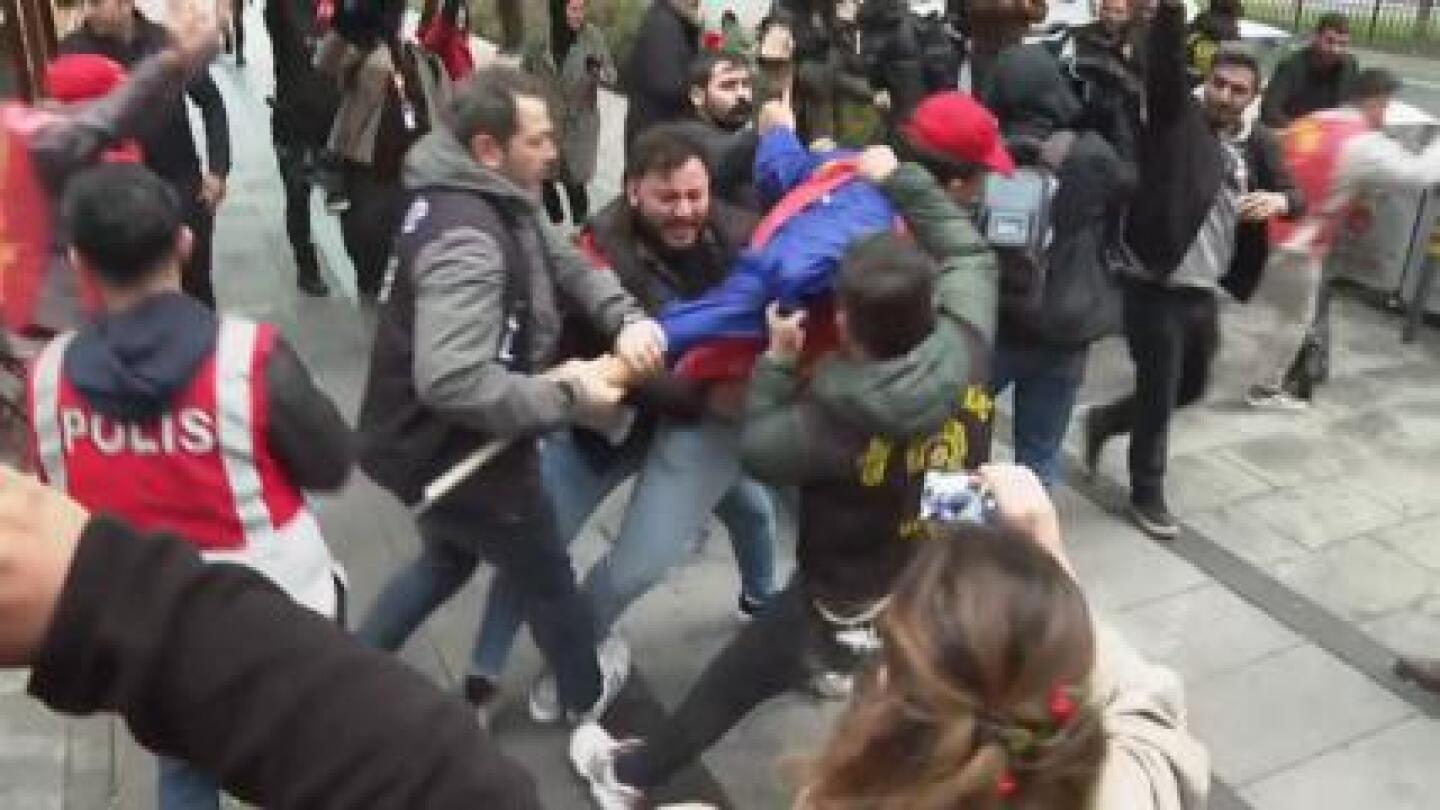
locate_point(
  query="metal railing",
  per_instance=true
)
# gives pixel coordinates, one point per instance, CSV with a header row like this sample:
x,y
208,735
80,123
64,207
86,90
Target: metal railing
x,y
1395,25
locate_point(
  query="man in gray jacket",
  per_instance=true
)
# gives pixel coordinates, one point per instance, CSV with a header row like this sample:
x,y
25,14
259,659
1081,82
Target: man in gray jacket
x,y
468,326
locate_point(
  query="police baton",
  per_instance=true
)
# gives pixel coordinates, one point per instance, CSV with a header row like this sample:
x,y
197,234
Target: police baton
x,y
440,487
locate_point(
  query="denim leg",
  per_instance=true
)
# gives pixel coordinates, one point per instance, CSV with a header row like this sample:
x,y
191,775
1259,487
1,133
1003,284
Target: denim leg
x,y
747,511
576,483
1045,392
182,786
414,592
686,471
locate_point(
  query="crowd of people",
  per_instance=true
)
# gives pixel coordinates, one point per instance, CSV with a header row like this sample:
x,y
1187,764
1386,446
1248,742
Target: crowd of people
x,y
825,264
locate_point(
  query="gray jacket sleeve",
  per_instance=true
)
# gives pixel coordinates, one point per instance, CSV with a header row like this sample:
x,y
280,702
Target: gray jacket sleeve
x,y
61,149
459,309
595,295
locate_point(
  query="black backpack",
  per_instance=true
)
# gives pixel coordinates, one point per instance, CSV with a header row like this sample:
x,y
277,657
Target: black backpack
x,y
1016,219
940,53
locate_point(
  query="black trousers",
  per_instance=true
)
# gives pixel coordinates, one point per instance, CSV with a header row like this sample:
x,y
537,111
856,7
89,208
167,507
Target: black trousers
x,y
1173,335
195,277
368,226
778,651
575,193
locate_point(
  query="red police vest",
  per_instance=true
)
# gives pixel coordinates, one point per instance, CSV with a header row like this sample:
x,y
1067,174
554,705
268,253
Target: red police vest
x,y
203,470
1312,147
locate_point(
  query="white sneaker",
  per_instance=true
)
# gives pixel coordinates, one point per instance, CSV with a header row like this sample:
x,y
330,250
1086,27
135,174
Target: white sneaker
x,y
613,656
1265,398
545,699
614,660
592,755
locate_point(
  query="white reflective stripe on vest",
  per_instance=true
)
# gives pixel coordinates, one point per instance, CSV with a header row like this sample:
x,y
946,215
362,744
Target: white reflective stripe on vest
x,y
45,421
235,420
293,556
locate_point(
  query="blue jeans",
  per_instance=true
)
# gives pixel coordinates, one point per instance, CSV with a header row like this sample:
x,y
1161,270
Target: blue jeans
x,y
685,473
508,522
184,787
1046,382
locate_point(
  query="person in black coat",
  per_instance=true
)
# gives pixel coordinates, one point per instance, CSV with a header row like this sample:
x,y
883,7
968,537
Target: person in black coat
x,y
655,78
1208,183
117,30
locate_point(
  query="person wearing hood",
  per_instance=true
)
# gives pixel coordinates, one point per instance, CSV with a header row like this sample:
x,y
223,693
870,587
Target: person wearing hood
x,y
467,336
1043,343
173,419
655,84
905,394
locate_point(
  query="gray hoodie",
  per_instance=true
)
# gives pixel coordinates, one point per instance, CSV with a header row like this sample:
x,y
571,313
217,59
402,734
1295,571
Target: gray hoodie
x,y
459,288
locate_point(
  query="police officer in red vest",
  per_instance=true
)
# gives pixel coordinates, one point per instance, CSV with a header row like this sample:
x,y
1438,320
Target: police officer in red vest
x,y
1335,155
165,415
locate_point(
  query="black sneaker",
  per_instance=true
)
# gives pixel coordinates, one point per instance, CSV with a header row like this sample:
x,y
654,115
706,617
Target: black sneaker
x,y
337,202
1154,519
480,692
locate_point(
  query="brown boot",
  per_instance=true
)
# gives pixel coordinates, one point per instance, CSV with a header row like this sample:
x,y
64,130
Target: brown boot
x,y
1424,672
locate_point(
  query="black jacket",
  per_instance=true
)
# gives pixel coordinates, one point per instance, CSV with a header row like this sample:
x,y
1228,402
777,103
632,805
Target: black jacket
x,y
655,281
305,99
216,666
129,366
892,52
169,147
1182,164
656,74
1300,87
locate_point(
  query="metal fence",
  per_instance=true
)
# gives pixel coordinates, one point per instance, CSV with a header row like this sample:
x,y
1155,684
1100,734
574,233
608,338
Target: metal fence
x,y
1396,25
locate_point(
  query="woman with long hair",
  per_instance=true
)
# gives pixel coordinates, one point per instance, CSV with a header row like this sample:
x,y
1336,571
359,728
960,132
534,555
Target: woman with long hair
x,y
995,690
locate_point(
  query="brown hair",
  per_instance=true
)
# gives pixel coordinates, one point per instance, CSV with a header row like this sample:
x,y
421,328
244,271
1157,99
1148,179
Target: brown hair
x,y
983,627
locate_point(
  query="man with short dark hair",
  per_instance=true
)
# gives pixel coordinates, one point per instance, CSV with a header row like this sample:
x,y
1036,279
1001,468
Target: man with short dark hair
x,y
1316,77
722,88
904,393
164,415
665,239
1335,155
117,30
1208,184
463,352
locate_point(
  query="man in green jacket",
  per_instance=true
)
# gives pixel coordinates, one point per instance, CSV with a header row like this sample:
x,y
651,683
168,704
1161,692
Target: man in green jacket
x,y
905,395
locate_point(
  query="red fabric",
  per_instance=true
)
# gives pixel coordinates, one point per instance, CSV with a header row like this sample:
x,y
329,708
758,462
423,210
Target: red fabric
x,y
82,77
954,125
170,476
25,225
821,182
451,43
712,42
727,359
1312,148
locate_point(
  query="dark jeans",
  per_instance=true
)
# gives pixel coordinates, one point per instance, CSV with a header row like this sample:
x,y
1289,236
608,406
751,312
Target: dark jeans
x,y
777,652
513,528
296,162
575,192
195,275
1173,336
1046,380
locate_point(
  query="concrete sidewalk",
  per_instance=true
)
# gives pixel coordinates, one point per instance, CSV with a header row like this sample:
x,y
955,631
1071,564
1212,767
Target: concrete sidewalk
x,y
1312,545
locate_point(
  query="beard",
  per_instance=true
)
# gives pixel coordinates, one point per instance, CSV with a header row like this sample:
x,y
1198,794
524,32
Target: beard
x,y
735,118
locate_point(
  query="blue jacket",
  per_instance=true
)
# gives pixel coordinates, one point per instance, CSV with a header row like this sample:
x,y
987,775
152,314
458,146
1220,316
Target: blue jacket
x,y
797,265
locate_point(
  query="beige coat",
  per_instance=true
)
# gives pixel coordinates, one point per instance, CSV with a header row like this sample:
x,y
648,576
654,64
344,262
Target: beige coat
x,y
1154,763
574,96
364,80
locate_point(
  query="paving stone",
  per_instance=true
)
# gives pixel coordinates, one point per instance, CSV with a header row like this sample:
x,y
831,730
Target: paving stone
x,y
1243,536
1419,540
1413,631
1196,483
1202,632
1358,579
1284,709
1393,769
1293,458
1321,513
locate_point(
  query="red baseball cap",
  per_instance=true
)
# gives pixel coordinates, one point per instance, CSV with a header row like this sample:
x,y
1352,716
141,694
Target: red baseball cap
x,y
82,77
953,125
